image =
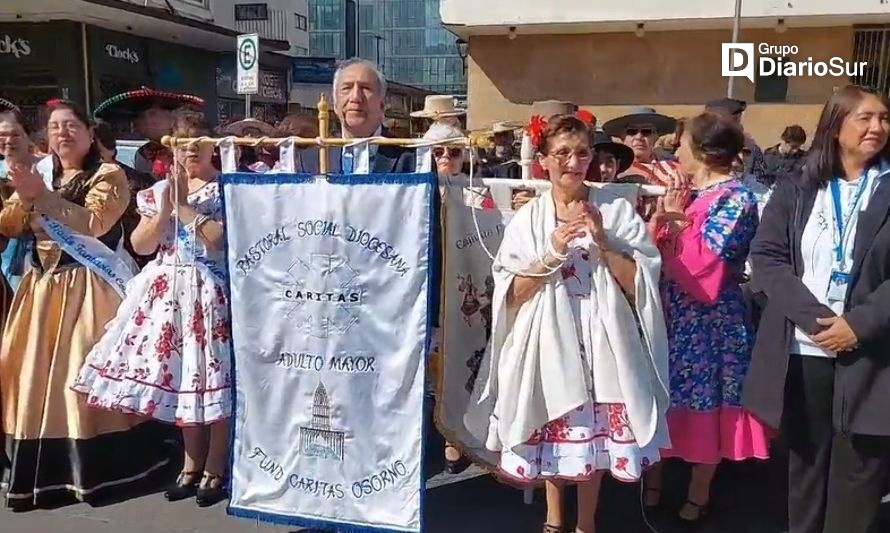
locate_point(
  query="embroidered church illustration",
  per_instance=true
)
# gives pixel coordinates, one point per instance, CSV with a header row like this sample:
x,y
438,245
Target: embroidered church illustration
x,y
318,439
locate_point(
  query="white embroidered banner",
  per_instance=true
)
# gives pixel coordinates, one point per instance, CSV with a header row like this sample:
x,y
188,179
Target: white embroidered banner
x,y
467,285
329,296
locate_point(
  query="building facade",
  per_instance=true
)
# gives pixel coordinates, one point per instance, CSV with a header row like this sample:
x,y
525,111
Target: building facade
x,y
314,76
665,55
404,37
89,50
280,20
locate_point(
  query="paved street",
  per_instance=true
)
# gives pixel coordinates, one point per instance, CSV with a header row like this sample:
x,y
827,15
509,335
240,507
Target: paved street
x,y
749,498
473,506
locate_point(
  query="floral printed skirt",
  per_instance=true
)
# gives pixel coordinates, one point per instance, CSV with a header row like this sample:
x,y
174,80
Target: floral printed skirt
x,y
166,354
595,436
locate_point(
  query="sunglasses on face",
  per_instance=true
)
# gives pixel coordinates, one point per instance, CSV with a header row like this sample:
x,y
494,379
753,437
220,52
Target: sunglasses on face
x,y
453,153
632,132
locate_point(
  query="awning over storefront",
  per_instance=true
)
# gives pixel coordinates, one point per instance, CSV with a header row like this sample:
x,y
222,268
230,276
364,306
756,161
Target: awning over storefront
x,y
141,18
39,62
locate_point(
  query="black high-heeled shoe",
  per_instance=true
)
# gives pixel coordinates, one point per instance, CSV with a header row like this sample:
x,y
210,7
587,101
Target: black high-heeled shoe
x,y
186,486
211,491
701,516
458,465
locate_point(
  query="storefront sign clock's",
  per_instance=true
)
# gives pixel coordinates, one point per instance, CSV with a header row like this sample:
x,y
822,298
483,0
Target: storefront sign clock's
x,y
14,46
124,54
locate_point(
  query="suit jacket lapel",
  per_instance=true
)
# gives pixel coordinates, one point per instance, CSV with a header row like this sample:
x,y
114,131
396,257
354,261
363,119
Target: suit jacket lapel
x,y
870,221
803,209
384,162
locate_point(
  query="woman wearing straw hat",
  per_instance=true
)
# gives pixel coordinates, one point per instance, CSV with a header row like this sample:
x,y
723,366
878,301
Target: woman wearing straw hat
x,y
502,161
440,108
449,165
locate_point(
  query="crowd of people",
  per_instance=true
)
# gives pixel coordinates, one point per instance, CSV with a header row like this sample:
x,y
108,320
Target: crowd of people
x,y
747,302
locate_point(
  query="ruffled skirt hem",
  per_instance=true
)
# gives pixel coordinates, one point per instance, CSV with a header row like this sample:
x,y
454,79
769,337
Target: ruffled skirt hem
x,y
709,437
590,439
189,408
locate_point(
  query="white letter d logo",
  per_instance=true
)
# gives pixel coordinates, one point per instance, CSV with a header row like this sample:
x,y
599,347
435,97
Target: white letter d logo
x,y
738,60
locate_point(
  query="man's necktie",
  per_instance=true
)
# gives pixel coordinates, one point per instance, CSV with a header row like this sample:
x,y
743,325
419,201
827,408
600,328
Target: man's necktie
x,y
347,160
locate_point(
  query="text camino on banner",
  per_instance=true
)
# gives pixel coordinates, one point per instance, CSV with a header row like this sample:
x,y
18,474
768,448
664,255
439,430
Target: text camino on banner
x,y
329,295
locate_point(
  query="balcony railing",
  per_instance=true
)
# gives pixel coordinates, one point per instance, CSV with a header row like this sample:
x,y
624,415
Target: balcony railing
x,y
274,27
196,9
872,45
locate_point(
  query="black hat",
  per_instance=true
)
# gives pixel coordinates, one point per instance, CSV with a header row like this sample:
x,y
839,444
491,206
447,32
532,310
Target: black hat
x,y
622,152
640,115
6,105
727,105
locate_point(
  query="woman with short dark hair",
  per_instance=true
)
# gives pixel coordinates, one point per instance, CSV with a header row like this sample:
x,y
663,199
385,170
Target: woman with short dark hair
x,y
61,450
820,366
704,239
166,354
570,389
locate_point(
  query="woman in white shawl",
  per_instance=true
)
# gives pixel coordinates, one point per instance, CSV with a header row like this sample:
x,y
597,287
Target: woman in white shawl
x,y
574,382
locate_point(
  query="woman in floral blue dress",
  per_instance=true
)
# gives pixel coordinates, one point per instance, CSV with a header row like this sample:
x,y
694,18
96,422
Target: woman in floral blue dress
x,y
704,237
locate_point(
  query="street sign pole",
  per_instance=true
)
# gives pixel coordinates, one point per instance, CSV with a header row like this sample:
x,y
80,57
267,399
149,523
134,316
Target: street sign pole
x,y
736,23
247,60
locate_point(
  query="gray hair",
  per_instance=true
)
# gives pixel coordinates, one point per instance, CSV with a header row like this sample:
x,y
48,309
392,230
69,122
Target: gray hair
x,y
381,79
442,132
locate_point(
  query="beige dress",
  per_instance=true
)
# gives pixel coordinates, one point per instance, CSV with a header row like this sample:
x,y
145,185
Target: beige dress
x,y
58,447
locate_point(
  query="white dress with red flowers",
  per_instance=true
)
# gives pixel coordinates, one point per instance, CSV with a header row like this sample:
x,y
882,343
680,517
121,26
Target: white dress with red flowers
x,y
595,436
166,354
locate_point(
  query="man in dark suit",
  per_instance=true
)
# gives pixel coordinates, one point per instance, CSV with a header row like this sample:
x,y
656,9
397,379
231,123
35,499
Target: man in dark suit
x,y
359,95
359,102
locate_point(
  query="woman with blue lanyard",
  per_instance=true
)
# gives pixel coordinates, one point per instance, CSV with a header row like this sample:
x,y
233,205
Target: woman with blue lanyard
x,y
820,365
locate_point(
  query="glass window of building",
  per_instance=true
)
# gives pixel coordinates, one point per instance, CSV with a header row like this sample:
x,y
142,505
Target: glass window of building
x,y
404,37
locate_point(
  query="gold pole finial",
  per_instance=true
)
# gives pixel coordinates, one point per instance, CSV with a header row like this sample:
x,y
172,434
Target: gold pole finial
x,y
323,132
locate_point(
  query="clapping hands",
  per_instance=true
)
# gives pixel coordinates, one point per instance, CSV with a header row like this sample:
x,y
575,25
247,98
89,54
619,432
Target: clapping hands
x,y
27,182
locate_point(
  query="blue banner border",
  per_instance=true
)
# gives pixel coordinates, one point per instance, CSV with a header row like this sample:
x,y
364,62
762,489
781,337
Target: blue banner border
x,y
430,179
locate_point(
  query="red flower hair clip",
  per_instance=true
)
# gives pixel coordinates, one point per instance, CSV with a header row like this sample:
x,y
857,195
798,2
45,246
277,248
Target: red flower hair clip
x,y
586,117
52,102
535,129
537,124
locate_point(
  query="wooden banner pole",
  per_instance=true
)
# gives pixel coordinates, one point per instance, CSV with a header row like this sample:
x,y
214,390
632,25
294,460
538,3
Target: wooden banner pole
x,y
323,133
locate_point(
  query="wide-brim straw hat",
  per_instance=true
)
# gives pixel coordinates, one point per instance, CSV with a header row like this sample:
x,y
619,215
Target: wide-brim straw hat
x,y
439,106
135,101
506,126
663,124
548,108
241,128
622,152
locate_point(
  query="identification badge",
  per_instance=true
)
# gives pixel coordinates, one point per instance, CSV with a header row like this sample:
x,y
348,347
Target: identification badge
x,y
837,286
